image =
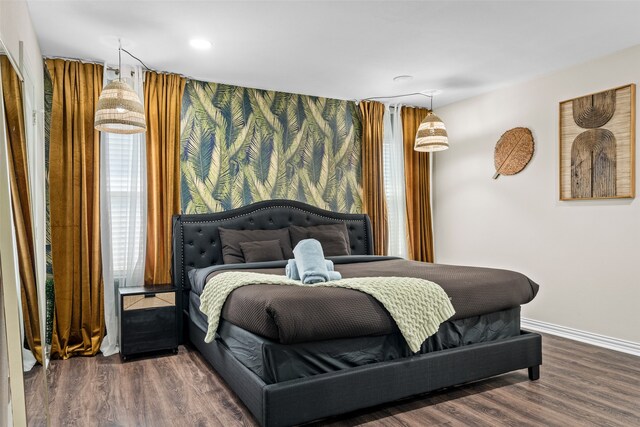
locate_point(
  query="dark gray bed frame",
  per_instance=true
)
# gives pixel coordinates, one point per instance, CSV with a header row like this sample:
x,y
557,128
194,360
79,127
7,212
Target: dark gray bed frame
x,y
196,244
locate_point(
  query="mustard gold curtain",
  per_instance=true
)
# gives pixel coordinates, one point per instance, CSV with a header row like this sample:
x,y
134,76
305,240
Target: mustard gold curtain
x,y
21,203
74,186
374,202
417,181
163,104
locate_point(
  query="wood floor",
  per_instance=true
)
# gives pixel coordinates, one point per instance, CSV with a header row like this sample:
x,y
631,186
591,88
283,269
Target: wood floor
x,y
580,385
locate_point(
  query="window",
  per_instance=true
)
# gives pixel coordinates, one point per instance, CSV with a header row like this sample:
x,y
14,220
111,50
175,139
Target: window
x,y
126,196
394,185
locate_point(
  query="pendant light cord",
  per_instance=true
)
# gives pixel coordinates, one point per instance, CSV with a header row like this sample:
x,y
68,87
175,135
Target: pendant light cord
x,y
135,57
119,63
120,50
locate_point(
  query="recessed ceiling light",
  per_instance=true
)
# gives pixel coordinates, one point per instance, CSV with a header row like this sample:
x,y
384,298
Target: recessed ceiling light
x,y
403,78
200,44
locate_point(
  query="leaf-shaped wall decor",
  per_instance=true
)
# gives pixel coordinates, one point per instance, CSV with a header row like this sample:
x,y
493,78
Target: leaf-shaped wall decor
x,y
513,151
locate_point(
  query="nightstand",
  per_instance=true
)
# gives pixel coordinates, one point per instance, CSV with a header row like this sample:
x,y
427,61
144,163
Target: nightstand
x,y
148,319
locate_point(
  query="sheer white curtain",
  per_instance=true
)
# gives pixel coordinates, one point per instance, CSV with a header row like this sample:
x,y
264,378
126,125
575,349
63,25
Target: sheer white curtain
x,y
394,186
123,212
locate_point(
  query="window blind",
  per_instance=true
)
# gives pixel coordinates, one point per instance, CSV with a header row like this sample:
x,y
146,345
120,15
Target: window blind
x,y
394,185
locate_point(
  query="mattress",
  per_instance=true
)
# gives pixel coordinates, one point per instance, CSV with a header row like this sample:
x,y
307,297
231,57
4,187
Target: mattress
x,y
298,314
275,362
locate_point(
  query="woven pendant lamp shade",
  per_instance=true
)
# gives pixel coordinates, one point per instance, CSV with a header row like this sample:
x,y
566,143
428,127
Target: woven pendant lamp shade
x,y
431,135
119,110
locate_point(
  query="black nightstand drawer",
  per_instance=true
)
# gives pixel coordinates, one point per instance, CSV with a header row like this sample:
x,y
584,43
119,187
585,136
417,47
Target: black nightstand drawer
x,y
148,320
148,329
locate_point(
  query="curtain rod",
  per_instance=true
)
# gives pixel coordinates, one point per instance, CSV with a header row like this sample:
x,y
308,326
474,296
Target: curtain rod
x,y
91,61
399,96
114,69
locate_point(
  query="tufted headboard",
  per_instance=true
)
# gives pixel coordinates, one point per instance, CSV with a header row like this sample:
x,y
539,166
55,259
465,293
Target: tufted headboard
x,y
196,241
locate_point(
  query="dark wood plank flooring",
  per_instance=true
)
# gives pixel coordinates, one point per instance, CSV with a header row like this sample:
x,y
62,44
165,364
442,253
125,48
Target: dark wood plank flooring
x,y
580,385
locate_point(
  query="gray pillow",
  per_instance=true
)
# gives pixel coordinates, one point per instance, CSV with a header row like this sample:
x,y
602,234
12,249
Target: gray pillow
x,y
334,238
268,250
231,239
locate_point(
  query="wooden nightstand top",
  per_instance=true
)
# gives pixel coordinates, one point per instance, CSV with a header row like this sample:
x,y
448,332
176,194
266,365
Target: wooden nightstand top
x,y
142,290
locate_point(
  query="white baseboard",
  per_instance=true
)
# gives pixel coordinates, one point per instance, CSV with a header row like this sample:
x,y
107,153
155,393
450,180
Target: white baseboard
x,y
583,336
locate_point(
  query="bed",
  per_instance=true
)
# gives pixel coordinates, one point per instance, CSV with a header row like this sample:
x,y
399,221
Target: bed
x,y
287,373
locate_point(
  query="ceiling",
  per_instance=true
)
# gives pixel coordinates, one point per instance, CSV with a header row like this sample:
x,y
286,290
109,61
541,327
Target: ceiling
x,y
346,49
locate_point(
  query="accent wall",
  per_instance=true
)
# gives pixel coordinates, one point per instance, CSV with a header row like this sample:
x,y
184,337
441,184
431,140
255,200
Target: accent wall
x,y
242,145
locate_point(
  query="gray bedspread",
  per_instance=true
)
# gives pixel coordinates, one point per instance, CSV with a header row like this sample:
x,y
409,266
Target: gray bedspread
x,y
290,314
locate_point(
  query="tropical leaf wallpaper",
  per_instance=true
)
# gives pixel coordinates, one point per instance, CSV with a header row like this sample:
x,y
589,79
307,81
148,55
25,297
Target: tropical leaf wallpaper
x,y
242,145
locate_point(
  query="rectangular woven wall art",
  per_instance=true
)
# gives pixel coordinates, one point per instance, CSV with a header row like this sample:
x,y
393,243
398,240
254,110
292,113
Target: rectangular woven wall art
x,y
597,145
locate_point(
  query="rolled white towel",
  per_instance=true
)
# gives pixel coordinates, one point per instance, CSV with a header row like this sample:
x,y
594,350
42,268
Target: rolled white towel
x,y
334,275
311,264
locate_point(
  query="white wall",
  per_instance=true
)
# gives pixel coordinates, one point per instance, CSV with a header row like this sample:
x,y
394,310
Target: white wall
x,y
16,26
585,255
4,364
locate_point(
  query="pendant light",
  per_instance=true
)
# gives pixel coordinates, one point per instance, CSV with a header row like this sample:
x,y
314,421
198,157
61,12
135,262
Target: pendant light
x,y
119,107
431,135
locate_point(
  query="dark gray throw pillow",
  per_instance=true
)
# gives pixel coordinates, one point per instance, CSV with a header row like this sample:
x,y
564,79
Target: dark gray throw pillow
x,y
231,239
334,238
268,250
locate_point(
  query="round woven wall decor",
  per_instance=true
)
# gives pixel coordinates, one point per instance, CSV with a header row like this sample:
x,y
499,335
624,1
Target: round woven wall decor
x,y
513,151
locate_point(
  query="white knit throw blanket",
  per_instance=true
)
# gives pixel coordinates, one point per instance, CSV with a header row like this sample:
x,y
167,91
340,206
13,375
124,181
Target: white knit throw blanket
x,y
417,306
